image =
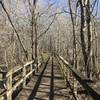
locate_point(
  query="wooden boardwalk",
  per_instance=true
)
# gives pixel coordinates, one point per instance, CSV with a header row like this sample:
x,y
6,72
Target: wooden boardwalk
x,y
47,84
52,81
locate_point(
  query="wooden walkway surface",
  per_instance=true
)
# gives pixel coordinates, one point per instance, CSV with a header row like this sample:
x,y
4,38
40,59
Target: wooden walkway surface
x,y
47,84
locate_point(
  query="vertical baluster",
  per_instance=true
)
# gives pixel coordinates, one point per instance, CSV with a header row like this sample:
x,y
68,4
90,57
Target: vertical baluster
x,y
31,68
9,86
24,73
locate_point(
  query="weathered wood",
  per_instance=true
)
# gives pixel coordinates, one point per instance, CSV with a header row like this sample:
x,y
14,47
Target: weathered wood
x,y
9,87
24,74
28,63
9,79
81,79
47,84
65,73
17,68
2,94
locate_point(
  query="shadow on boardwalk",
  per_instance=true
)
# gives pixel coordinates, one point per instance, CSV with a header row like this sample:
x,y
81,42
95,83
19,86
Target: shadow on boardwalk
x,y
49,85
51,96
35,89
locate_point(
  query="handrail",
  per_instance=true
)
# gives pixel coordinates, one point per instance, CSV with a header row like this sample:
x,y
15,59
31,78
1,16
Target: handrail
x,y
16,69
81,79
10,87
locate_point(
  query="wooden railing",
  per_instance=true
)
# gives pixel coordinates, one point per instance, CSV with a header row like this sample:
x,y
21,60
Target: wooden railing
x,y
16,77
67,68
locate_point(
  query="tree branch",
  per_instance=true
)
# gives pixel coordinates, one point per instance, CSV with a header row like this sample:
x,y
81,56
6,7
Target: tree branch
x,y
13,26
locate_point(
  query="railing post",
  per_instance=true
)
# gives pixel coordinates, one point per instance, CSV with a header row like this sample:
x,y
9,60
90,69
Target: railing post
x,y
24,79
9,86
31,65
35,67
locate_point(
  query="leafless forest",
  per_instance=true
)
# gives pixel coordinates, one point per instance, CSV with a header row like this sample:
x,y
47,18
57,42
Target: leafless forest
x,y
30,29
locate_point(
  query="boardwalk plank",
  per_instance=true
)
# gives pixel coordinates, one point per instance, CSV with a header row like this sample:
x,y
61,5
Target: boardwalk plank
x,y
46,85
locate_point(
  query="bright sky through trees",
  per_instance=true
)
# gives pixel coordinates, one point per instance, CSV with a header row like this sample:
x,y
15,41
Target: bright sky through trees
x,y
63,4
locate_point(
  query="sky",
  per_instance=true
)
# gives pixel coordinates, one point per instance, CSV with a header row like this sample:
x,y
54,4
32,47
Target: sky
x,y
63,4
59,2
